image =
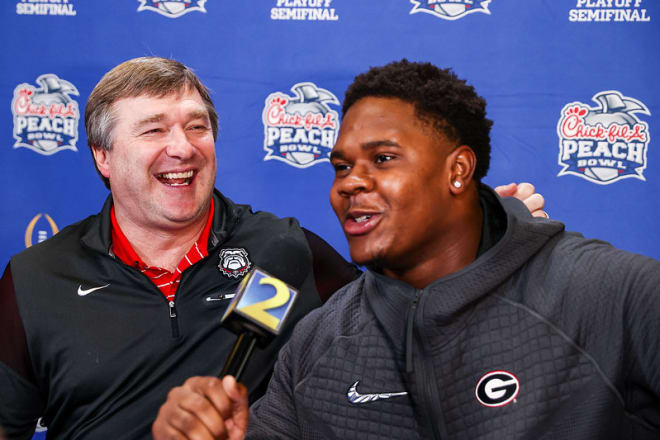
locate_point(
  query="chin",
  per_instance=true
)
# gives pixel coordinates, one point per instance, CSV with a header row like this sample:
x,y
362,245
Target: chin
x,y
367,260
183,216
185,208
375,266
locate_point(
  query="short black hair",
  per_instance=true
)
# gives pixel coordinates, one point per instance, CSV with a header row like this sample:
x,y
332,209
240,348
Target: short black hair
x,y
440,98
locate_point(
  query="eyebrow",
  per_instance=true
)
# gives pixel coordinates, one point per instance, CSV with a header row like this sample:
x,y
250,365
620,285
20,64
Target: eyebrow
x,y
334,154
195,114
148,120
199,114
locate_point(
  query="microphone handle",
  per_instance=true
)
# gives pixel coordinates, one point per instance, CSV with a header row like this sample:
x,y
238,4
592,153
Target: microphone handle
x,y
239,355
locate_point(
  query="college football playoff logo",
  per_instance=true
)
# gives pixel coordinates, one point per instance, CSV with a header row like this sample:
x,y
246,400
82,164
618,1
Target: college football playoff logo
x,y
234,262
43,229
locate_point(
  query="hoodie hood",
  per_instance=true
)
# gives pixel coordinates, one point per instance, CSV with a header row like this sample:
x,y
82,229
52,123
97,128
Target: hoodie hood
x,y
443,303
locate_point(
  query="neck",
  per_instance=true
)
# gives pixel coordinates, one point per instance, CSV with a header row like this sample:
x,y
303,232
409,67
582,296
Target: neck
x,y
161,247
456,249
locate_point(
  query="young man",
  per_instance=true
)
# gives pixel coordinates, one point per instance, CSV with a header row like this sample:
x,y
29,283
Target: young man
x,y
473,320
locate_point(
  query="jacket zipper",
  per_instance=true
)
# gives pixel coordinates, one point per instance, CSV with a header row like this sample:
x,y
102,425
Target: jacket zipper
x,y
409,332
173,319
428,388
174,323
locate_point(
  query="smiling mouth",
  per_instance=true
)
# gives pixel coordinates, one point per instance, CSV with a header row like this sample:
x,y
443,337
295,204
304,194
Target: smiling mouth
x,y
361,224
182,178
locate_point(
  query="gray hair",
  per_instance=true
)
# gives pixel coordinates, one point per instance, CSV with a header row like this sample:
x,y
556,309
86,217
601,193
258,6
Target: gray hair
x,y
152,76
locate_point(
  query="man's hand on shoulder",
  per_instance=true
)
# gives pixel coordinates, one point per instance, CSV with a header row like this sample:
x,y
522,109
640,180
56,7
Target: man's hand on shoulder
x,y
204,408
524,192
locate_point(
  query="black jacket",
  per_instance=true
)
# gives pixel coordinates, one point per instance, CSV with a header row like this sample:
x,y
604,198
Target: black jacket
x,y
546,335
99,366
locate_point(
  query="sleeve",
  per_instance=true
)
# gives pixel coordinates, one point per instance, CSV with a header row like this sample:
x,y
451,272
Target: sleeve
x,y
331,270
20,405
260,367
641,319
610,301
281,412
274,415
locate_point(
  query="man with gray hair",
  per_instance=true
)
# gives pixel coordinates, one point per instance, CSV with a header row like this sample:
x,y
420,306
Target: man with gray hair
x,y
98,323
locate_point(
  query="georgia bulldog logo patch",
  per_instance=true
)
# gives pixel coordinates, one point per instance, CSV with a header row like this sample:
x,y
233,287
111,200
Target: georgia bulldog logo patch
x,y
172,8
300,130
234,262
605,143
450,9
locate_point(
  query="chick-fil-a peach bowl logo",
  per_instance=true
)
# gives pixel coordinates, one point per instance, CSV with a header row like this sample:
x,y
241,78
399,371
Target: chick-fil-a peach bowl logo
x,y
605,143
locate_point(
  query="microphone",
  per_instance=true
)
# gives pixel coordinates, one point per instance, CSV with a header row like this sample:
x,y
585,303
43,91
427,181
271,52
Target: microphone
x,y
256,314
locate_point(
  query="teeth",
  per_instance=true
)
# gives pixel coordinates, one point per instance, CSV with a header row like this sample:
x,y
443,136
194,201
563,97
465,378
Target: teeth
x,y
363,218
181,175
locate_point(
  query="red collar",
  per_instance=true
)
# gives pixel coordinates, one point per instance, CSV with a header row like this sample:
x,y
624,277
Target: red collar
x,y
124,251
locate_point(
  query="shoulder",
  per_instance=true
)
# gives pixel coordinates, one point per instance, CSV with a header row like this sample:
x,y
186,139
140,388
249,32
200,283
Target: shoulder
x,y
264,228
569,260
342,316
237,216
564,271
73,242
66,242
236,221
572,251
275,245
573,279
341,310
269,220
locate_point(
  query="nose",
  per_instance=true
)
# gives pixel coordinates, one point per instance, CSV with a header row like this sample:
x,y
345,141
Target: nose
x,y
358,180
178,145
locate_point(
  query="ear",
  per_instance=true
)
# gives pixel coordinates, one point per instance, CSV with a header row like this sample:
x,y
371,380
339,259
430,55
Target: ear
x,y
102,159
463,162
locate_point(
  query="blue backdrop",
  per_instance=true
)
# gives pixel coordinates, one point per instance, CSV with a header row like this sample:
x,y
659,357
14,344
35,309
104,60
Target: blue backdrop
x,y
572,86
